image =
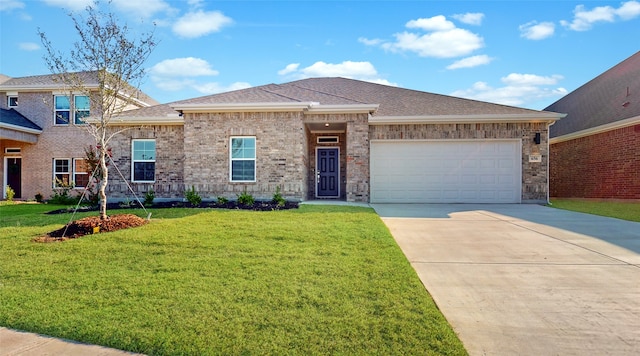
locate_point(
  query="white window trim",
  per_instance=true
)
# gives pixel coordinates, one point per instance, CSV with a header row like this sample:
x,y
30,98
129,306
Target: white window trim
x,y
54,172
75,173
9,97
133,161
72,109
254,159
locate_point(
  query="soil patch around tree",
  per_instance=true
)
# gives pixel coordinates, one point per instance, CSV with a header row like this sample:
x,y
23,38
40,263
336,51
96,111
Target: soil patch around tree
x,y
91,225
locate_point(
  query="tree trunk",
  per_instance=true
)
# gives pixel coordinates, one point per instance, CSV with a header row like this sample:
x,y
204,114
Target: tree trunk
x,y
104,181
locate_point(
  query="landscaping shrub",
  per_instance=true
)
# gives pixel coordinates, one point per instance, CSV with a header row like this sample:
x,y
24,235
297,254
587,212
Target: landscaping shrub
x,y
193,197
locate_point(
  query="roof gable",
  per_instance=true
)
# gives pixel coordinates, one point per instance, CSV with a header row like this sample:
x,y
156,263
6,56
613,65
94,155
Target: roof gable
x,y
610,97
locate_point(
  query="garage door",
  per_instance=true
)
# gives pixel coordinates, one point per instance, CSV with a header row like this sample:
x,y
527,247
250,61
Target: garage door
x,y
450,171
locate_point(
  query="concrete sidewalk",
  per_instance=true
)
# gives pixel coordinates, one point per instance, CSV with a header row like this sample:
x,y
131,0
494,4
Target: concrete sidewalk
x,y
18,343
526,279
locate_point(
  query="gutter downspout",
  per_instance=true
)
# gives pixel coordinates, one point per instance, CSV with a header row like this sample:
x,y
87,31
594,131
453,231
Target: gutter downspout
x,y
549,160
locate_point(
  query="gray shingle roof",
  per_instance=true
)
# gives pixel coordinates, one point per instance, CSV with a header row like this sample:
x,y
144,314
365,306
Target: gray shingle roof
x,y
612,96
12,117
393,101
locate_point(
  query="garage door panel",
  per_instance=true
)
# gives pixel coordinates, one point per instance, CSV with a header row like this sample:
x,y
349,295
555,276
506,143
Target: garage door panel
x,y
453,171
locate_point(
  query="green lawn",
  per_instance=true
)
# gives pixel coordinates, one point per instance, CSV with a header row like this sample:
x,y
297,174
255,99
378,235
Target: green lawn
x,y
317,280
616,209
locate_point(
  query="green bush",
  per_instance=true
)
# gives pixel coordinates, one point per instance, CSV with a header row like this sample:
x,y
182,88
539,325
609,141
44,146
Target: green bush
x,y
245,198
193,197
277,198
222,200
62,194
39,197
149,197
10,193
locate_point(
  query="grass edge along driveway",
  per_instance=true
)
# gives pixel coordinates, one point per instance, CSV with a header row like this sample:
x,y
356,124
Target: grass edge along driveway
x,y
317,280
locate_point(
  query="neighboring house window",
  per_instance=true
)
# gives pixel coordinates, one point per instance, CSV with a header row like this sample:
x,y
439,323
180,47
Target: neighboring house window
x,y
144,160
243,159
63,113
81,108
70,172
62,110
80,172
12,101
61,173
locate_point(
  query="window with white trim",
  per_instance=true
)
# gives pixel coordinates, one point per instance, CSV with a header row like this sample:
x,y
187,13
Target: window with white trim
x,y
61,172
80,172
143,165
70,172
243,159
63,113
12,101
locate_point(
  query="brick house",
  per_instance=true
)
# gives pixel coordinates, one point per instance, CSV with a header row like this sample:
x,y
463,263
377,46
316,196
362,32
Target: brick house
x,y
335,138
41,136
595,150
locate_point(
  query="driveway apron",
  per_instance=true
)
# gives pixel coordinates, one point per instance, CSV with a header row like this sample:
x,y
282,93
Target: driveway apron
x,y
526,279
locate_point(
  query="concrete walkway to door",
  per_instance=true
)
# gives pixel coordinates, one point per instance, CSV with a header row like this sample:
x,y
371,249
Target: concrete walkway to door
x,y
526,279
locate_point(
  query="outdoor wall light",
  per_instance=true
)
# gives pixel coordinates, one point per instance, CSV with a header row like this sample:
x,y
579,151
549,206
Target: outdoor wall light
x,y
536,139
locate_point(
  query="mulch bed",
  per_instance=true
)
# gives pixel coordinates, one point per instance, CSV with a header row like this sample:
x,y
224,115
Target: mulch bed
x,y
85,226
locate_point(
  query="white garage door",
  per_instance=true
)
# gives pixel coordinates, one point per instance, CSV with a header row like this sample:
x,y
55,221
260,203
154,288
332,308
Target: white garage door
x,y
450,171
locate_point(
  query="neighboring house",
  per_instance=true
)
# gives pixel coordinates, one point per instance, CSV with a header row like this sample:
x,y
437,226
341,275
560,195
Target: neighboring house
x,y
334,138
42,136
595,150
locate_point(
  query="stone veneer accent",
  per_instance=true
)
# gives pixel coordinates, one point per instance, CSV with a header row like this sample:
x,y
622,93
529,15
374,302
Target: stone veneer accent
x,y
534,175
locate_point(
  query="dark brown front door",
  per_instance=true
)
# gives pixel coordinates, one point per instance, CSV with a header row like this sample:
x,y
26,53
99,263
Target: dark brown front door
x,y
14,175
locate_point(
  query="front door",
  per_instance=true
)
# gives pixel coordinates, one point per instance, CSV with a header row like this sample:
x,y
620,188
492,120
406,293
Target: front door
x,y
14,176
328,173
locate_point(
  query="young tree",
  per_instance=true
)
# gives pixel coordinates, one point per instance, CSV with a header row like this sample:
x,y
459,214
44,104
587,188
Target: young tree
x,y
106,65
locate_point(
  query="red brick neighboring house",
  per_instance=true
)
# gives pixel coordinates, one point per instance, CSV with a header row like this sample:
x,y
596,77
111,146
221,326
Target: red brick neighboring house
x,y
595,149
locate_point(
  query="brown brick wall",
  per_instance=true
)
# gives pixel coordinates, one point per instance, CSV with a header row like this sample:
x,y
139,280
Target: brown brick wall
x,y
604,165
281,154
534,175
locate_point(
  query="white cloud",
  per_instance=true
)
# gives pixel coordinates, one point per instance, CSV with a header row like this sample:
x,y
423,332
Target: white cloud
x,y
470,62
290,68
370,42
183,67
200,23
347,69
519,89
8,5
436,23
29,46
470,18
584,19
142,8
629,10
442,40
73,5
537,31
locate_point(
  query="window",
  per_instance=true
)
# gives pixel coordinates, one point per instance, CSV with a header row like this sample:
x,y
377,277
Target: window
x,y
70,172
243,159
12,101
62,110
81,108
61,173
63,114
80,172
144,160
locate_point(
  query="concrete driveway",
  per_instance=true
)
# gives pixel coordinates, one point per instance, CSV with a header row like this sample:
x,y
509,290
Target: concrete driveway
x,y
526,279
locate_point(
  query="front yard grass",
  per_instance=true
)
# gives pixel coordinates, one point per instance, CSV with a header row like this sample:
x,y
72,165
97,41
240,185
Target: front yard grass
x,y
615,209
316,280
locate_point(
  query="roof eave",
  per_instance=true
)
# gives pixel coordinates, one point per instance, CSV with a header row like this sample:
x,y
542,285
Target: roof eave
x,y
547,117
596,130
20,128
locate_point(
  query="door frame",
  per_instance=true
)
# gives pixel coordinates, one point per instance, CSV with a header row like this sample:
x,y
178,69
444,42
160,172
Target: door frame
x,y
6,174
317,171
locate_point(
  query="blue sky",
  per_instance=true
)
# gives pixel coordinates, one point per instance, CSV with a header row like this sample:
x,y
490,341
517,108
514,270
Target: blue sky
x,y
521,53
